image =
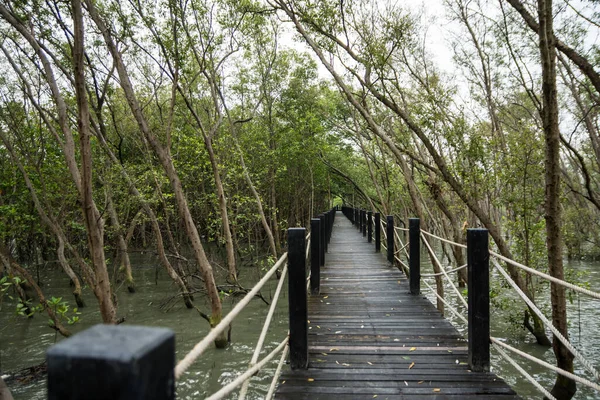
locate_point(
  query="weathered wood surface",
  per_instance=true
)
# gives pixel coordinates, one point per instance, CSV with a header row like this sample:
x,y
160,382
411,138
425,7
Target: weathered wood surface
x,y
370,338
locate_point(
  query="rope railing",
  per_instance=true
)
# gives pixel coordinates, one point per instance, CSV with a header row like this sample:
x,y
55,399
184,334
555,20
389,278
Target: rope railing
x,y
449,271
545,364
263,333
398,228
203,345
397,236
550,278
448,306
225,390
526,374
546,322
271,391
443,240
443,270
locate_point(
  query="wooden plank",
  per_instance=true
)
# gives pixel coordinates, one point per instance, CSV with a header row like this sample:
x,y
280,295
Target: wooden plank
x,y
369,336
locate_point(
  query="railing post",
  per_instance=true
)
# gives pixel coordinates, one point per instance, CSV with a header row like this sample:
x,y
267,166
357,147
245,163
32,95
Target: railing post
x,y
364,220
113,362
478,261
297,298
377,232
390,238
370,226
359,214
414,252
315,255
323,241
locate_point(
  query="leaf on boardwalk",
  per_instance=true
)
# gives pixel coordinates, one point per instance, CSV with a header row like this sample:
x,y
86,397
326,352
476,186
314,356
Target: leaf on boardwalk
x,y
318,327
336,361
412,349
406,357
338,332
406,383
334,349
418,383
308,321
324,354
412,364
437,390
369,362
346,364
326,297
311,379
374,395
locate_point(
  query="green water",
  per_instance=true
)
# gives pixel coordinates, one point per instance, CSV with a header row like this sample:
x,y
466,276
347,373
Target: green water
x,y
584,331
23,342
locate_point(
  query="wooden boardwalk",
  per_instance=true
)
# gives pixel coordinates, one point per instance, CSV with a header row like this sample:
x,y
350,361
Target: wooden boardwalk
x,y
370,338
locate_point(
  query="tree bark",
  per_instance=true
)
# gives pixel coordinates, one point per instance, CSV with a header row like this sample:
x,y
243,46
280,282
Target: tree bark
x,y
164,157
564,388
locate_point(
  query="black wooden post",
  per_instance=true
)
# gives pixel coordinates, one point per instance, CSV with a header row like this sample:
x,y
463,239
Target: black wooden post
x,y
370,226
390,238
377,232
414,253
364,220
323,241
478,260
297,298
113,362
315,255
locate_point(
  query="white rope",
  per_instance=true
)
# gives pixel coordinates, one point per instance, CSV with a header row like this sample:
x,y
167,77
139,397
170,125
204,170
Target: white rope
x,y
557,334
401,229
271,391
546,276
444,240
383,226
307,236
451,308
403,247
225,390
406,268
308,248
444,272
554,368
265,329
202,345
441,273
400,240
527,376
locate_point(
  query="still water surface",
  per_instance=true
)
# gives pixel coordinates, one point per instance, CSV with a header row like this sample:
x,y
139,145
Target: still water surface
x,y
23,342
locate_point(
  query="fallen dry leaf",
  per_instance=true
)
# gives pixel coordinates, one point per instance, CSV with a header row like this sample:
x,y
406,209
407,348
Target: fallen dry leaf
x,y
369,362
412,364
418,383
412,349
437,390
311,379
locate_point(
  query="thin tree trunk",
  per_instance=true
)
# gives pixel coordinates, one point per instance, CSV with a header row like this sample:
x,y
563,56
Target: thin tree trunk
x,y
564,388
125,266
166,161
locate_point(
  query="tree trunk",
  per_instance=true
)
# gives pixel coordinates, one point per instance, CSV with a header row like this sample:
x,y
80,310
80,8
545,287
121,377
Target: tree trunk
x,y
93,220
231,268
125,266
164,157
564,388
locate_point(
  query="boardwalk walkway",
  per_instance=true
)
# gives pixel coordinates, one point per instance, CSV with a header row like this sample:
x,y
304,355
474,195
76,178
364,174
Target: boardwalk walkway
x,y
370,338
